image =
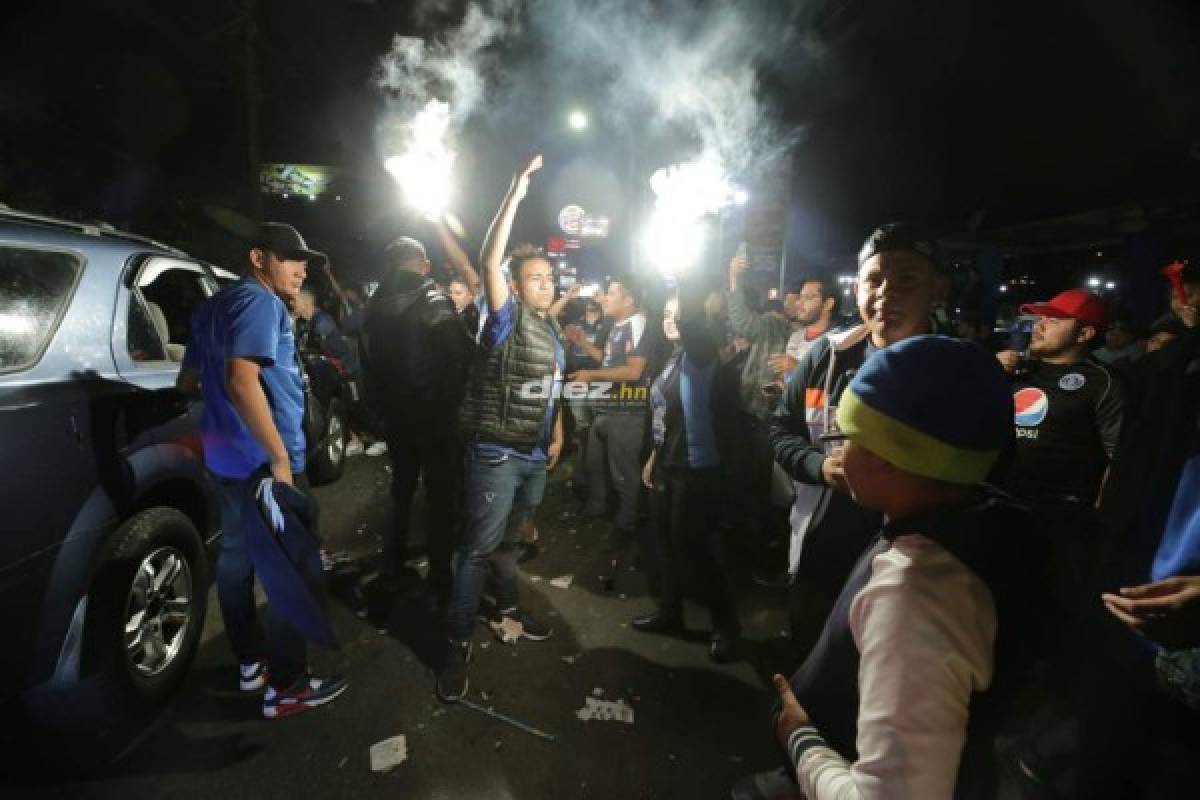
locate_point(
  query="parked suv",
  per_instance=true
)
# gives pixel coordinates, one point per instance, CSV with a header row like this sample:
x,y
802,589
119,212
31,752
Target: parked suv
x,y
110,521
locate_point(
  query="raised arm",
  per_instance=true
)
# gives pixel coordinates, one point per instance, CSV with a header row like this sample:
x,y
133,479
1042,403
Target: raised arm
x,y
695,334
337,287
746,322
557,307
495,286
457,256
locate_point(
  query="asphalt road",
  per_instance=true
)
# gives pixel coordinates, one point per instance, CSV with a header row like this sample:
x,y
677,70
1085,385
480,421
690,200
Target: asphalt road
x,y
697,727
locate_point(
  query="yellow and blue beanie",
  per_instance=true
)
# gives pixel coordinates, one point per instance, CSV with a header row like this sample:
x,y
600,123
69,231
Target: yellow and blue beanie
x,y
933,406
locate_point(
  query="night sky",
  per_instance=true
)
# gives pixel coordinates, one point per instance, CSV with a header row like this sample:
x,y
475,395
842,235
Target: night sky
x,y
943,111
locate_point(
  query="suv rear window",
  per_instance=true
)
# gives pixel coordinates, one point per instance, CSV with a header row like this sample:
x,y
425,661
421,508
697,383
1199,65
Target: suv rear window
x,y
34,288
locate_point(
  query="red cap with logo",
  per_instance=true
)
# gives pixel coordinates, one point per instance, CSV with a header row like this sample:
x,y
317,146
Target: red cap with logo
x,y
1077,304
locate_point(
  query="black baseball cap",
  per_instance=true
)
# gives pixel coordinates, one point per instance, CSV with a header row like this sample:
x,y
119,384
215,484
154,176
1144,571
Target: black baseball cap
x,y
284,240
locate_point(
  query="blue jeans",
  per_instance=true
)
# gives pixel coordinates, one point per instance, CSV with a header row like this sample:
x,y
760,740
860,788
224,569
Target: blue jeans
x,y
502,492
285,650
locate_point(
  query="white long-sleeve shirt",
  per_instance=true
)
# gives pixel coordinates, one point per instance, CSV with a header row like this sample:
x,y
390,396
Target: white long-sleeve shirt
x,y
925,628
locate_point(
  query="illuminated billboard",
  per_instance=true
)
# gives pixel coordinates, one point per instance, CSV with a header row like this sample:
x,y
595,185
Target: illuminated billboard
x,y
311,180
574,221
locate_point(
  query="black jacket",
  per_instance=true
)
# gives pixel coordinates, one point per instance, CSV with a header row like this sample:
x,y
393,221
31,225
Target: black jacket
x,y
416,350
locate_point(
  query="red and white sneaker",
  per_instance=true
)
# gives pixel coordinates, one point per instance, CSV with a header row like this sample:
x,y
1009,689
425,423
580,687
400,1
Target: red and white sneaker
x,y
305,694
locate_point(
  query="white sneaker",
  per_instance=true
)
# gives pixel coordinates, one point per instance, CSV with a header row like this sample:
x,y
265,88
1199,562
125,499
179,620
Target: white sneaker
x,y
377,449
252,676
355,448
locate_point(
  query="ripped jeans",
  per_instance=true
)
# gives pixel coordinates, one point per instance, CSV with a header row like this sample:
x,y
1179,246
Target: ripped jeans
x,y
501,493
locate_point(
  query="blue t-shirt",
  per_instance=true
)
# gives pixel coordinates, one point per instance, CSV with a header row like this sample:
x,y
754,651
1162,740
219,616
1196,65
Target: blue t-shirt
x,y
246,320
496,328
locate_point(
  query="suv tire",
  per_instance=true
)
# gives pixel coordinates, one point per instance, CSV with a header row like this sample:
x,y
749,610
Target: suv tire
x,y
146,611
326,464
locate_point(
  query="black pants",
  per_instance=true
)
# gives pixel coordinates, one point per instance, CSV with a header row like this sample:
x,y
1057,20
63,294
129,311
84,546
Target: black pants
x,y
432,452
751,476
685,504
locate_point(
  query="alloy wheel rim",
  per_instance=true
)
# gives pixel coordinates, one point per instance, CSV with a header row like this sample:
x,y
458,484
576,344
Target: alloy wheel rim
x,y
158,611
337,440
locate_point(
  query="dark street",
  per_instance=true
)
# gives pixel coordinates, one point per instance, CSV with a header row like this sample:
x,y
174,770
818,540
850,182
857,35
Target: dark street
x,y
697,727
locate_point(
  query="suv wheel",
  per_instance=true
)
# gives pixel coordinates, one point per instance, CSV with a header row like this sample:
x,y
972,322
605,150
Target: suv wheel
x,y
147,609
326,464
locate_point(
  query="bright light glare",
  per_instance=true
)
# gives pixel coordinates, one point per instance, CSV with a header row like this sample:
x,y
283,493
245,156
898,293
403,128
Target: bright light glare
x,y
673,240
1110,285
16,324
577,120
740,197
673,243
1093,282
693,189
424,170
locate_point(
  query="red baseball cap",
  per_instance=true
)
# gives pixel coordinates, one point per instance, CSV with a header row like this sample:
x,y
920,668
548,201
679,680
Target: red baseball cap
x,y
1077,304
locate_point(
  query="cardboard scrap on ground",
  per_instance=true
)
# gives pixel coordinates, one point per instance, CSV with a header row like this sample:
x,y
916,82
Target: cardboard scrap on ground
x,y
562,581
595,708
388,754
507,630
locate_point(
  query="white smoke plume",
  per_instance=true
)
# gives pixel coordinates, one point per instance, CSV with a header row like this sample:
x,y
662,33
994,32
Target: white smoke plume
x,y
450,67
684,65
431,88
671,67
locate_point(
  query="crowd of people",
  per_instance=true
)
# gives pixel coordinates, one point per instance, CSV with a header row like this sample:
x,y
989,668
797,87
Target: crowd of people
x,y
987,556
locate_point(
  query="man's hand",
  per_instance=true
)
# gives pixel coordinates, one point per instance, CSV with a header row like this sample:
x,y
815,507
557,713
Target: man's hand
x,y
1189,316
552,453
1166,612
582,376
781,364
648,472
573,292
833,474
1009,359
282,471
521,179
572,333
737,267
792,715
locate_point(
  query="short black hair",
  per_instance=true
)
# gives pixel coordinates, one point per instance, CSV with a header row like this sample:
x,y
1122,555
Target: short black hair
x,y
899,236
403,251
829,288
521,255
629,284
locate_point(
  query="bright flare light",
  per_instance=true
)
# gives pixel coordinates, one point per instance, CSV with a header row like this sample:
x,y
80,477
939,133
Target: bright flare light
x,y
693,189
674,239
673,244
577,120
424,170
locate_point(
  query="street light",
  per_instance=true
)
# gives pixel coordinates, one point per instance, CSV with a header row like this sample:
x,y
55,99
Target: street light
x,y
577,120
